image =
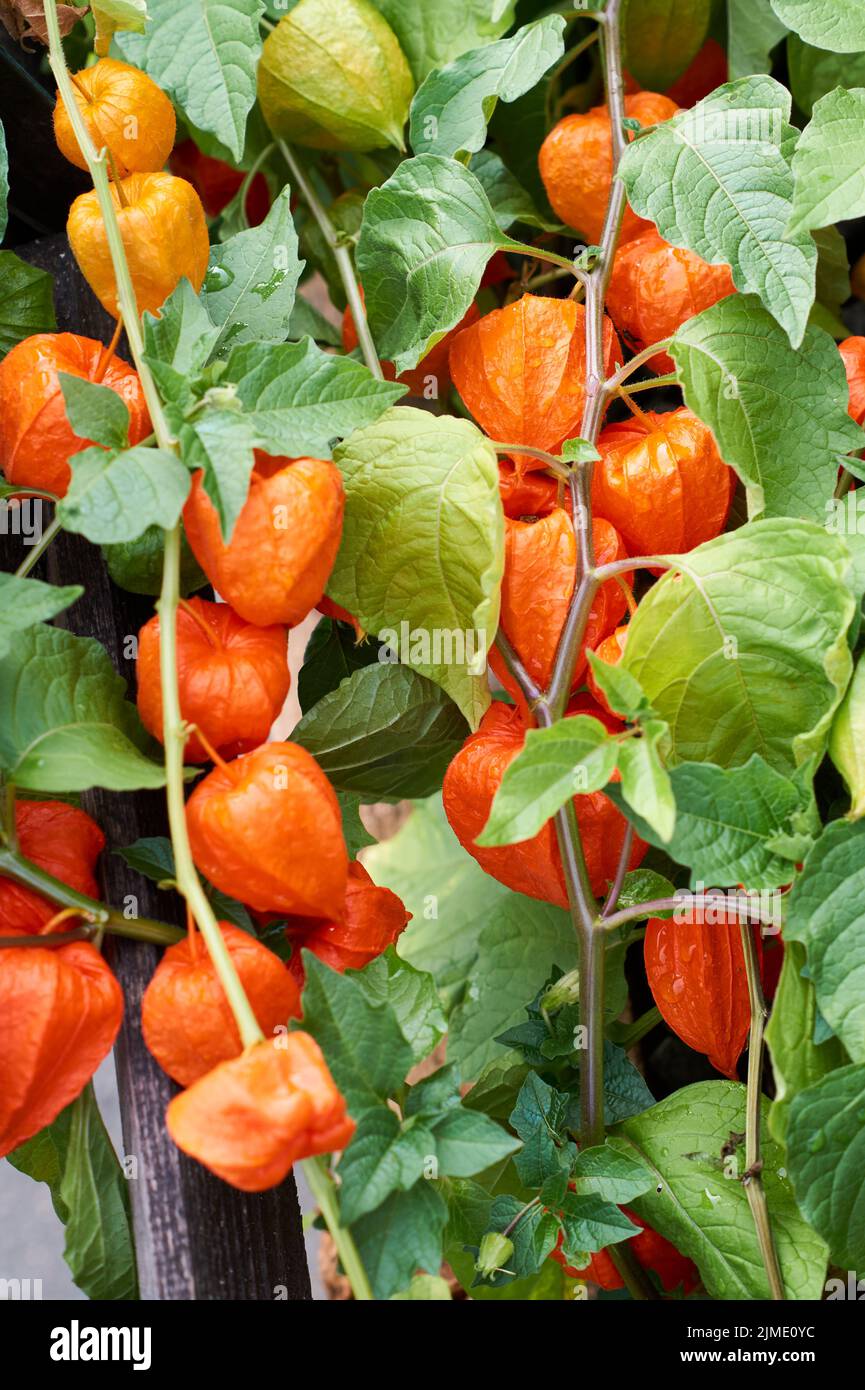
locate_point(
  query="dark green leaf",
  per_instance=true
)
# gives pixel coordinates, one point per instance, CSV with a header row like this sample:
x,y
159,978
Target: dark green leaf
x,y
26,301
332,654
411,995
24,602
401,1236
384,1156
96,413
826,1157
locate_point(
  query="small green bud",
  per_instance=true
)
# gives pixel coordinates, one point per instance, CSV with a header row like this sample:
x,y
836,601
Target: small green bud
x,y
494,1254
564,992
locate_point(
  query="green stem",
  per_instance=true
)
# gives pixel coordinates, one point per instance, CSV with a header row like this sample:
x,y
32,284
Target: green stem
x,y
752,1181
627,1035
36,551
612,384
342,256
634,386
45,942
188,882
14,866
174,736
317,1174
554,464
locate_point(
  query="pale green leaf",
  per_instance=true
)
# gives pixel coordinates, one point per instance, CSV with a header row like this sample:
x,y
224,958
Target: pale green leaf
x,y
828,162
835,24
24,602
753,30
434,32
251,280
826,1156
115,497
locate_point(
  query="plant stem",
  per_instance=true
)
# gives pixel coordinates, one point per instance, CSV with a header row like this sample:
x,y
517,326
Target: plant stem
x,y
632,1033
635,1278
752,1181
343,260
13,865
612,384
188,882
316,1172
687,902
621,870
554,465
36,551
48,942
174,735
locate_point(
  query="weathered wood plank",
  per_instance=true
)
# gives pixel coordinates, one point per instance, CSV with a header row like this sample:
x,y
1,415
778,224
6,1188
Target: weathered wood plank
x,y
196,1237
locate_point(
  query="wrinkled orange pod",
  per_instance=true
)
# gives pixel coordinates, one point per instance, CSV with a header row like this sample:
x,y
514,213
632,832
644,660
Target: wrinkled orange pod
x,y
576,164
125,112
60,1011
666,489
186,1020
431,370
63,841
267,829
372,919
164,233
527,494
696,972
655,288
533,867
216,182
250,1119
540,572
651,1250
282,549
852,352
36,438
521,372
707,70
611,650
233,678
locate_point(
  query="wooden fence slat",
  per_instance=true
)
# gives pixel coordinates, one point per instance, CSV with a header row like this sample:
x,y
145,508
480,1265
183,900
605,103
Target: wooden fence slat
x,y
196,1237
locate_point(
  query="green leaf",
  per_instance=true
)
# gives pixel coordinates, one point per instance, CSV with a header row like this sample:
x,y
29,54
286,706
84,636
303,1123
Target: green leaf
x,y
827,914
827,164
182,338
572,756
826,1156
732,824
590,1224
301,399
115,497
509,200
797,1060
222,444
111,16
623,693
476,938
204,54
354,832
308,322
753,30
251,280
779,414
742,648
606,1172
386,733
833,276
94,1191
24,602
153,857
427,236
703,1208
814,72
847,741
625,1089
452,107
422,497
835,24
539,1118
65,725
332,654
332,76
401,1236
137,565
661,38
434,32
716,179
646,785
468,1142
362,1042
384,1156
89,1192
411,995
95,412
26,301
